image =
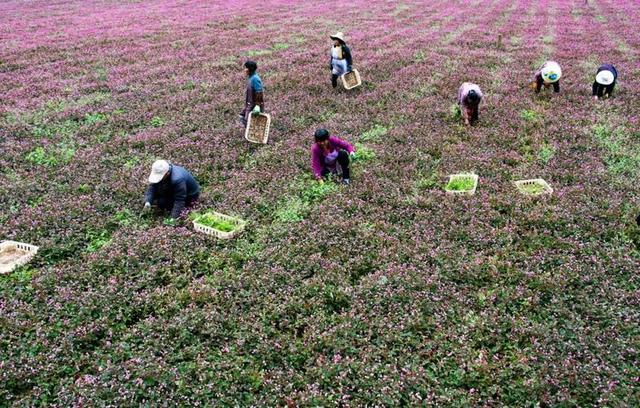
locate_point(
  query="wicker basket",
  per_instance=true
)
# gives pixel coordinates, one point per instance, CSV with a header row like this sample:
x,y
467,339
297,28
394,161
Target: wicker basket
x,y
544,187
257,130
453,177
240,224
351,79
14,254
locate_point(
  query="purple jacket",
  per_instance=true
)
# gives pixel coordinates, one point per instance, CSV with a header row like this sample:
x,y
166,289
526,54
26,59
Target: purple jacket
x,y
318,154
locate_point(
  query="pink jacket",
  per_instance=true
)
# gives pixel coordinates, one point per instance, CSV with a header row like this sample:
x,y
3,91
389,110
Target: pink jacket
x,y
318,155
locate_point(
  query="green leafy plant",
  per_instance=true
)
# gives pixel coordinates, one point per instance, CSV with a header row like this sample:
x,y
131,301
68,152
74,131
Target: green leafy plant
x,y
532,188
528,115
156,121
363,153
374,134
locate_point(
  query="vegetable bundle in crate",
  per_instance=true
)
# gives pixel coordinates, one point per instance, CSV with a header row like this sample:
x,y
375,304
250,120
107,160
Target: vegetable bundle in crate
x,y
14,254
257,130
533,187
221,225
463,183
351,79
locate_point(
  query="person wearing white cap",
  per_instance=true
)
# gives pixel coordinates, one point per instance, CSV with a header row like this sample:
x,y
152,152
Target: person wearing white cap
x,y
606,78
171,188
341,59
548,75
469,97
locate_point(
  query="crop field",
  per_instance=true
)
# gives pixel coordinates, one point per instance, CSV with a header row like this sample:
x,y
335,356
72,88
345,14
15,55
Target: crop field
x,y
386,292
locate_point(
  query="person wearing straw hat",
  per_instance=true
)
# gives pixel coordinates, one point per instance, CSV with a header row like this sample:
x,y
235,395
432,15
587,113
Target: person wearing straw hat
x,y
548,75
606,78
171,188
254,94
327,153
341,59
469,97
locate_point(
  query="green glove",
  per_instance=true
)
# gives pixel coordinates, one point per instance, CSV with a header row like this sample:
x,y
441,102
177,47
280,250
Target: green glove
x,y
353,156
256,109
171,222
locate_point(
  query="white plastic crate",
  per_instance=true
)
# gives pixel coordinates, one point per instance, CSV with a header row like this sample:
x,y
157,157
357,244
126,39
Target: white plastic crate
x,y
524,186
471,176
351,79
258,126
240,224
14,254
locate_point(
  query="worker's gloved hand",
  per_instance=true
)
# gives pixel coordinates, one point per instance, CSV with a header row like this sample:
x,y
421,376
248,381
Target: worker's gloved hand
x,y
147,207
171,222
353,156
321,180
256,109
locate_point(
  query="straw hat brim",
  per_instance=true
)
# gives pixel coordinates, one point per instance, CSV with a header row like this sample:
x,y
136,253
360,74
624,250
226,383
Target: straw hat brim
x,y
338,36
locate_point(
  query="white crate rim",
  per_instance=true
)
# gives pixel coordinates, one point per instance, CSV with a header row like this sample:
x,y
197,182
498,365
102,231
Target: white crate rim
x,y
31,250
358,82
240,224
267,129
473,176
541,182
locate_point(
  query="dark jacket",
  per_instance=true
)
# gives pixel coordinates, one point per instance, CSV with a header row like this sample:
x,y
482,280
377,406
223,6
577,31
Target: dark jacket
x,y
346,54
177,189
600,90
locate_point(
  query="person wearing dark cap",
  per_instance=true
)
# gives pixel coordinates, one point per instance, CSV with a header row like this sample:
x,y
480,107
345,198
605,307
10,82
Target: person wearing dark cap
x,y
341,60
171,188
469,97
254,95
327,153
605,81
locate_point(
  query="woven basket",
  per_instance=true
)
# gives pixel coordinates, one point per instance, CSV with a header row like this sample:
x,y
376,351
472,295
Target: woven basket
x,y
351,79
14,254
257,130
522,185
240,224
472,176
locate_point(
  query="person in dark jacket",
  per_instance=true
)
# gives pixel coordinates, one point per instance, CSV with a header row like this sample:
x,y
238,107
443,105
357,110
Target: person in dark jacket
x,y
254,95
605,81
171,188
341,61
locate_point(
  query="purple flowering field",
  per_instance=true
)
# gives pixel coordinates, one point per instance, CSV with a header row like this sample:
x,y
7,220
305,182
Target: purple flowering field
x,y
388,292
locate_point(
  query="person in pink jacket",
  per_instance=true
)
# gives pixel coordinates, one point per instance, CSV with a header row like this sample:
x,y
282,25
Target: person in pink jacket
x,y
469,97
327,153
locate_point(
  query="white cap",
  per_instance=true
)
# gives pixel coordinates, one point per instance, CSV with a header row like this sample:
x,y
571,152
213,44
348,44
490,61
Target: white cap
x,y
158,171
604,77
551,71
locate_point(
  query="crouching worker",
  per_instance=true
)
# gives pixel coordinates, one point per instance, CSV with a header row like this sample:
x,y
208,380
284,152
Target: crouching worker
x,y
469,97
548,75
606,78
254,95
341,60
171,188
328,153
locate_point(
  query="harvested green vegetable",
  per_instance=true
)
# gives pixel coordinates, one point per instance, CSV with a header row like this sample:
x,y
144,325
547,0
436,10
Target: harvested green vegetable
x,y
460,184
213,221
532,188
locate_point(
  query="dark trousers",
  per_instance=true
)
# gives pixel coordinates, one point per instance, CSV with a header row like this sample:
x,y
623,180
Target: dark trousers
x,y
600,90
540,83
343,161
334,80
167,203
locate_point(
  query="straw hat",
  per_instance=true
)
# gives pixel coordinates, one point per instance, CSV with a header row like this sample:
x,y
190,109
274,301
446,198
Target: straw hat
x,y
158,171
338,36
551,72
605,77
